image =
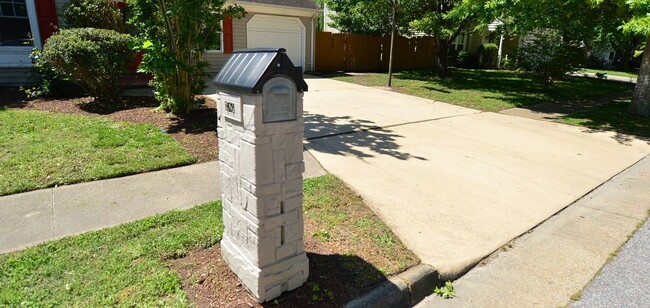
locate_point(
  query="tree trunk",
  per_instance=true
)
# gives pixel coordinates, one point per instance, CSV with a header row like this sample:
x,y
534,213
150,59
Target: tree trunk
x,y
641,98
442,51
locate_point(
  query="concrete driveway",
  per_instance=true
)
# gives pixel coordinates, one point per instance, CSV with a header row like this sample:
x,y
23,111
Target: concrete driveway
x,y
455,184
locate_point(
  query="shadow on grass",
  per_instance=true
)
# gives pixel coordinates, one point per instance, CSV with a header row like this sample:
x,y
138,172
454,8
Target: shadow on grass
x,y
348,136
613,117
516,88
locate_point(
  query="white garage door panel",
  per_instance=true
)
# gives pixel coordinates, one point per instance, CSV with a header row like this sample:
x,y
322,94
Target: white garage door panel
x,y
265,31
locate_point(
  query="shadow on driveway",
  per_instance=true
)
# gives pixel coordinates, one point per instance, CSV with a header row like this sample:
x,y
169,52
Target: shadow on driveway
x,y
345,135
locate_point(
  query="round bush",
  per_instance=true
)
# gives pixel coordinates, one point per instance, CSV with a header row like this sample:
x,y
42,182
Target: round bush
x,y
101,14
96,58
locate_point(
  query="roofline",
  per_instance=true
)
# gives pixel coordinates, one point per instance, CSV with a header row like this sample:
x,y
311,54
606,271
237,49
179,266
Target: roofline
x,y
312,12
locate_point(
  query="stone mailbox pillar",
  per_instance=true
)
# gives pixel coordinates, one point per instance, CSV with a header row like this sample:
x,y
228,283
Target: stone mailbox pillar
x,y
260,128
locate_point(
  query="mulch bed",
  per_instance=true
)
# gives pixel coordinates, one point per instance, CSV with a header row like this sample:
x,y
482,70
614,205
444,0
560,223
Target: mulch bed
x,y
209,282
197,131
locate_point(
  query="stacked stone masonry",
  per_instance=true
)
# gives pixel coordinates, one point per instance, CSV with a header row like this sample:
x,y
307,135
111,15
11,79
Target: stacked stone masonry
x,y
261,175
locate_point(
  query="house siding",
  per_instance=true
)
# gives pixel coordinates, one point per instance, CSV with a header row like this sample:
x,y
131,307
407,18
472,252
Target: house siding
x,y
475,41
15,76
218,59
510,46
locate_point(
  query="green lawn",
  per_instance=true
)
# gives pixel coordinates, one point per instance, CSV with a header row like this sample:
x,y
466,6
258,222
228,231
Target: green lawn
x,y
489,90
614,117
121,266
41,149
610,72
128,265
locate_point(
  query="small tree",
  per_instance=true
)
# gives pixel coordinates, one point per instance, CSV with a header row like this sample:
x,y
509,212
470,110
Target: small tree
x,y
96,58
549,57
175,34
100,14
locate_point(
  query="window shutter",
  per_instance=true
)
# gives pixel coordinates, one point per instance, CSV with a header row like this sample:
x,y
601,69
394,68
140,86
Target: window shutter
x,y
47,20
228,46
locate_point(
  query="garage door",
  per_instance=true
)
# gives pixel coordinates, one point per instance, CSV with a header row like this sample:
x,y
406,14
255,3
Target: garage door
x,y
267,31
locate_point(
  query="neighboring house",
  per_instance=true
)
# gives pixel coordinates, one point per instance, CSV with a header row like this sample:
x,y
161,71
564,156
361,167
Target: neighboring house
x,y
25,24
327,20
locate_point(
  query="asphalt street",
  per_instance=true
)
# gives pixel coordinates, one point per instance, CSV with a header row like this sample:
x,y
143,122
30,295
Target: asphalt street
x,y
624,282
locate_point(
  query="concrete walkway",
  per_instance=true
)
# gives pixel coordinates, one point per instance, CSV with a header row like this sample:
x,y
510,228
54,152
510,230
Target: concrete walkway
x,y
38,216
455,184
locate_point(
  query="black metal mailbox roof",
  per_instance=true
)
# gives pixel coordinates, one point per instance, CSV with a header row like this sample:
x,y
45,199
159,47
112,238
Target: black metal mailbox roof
x,y
248,70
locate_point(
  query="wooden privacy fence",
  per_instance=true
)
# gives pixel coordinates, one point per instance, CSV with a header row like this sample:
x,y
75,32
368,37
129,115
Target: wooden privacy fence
x,y
363,53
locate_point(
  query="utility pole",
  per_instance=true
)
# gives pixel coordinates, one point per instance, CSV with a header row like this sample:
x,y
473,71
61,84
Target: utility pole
x,y
392,43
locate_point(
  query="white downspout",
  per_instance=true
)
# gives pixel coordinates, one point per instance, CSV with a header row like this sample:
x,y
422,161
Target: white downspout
x,y
500,52
313,34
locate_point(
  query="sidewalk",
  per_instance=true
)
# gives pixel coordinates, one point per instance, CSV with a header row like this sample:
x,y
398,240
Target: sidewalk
x,y
34,217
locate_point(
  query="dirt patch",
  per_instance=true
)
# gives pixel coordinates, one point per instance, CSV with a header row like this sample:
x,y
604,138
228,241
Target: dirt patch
x,y
350,251
197,131
210,283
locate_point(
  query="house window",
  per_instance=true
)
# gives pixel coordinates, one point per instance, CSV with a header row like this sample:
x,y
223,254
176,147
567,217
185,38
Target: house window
x,y
15,29
459,42
219,47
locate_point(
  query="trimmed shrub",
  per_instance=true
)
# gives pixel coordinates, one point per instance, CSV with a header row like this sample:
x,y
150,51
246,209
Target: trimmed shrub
x,y
46,80
468,60
549,57
96,58
488,53
100,14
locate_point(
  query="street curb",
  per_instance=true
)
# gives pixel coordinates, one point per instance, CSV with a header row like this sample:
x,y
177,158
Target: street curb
x,y
404,290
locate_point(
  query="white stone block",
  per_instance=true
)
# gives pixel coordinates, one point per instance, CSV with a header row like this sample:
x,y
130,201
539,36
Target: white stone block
x,y
292,188
268,189
291,218
293,203
294,232
279,167
296,281
285,251
272,204
294,153
274,291
294,170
